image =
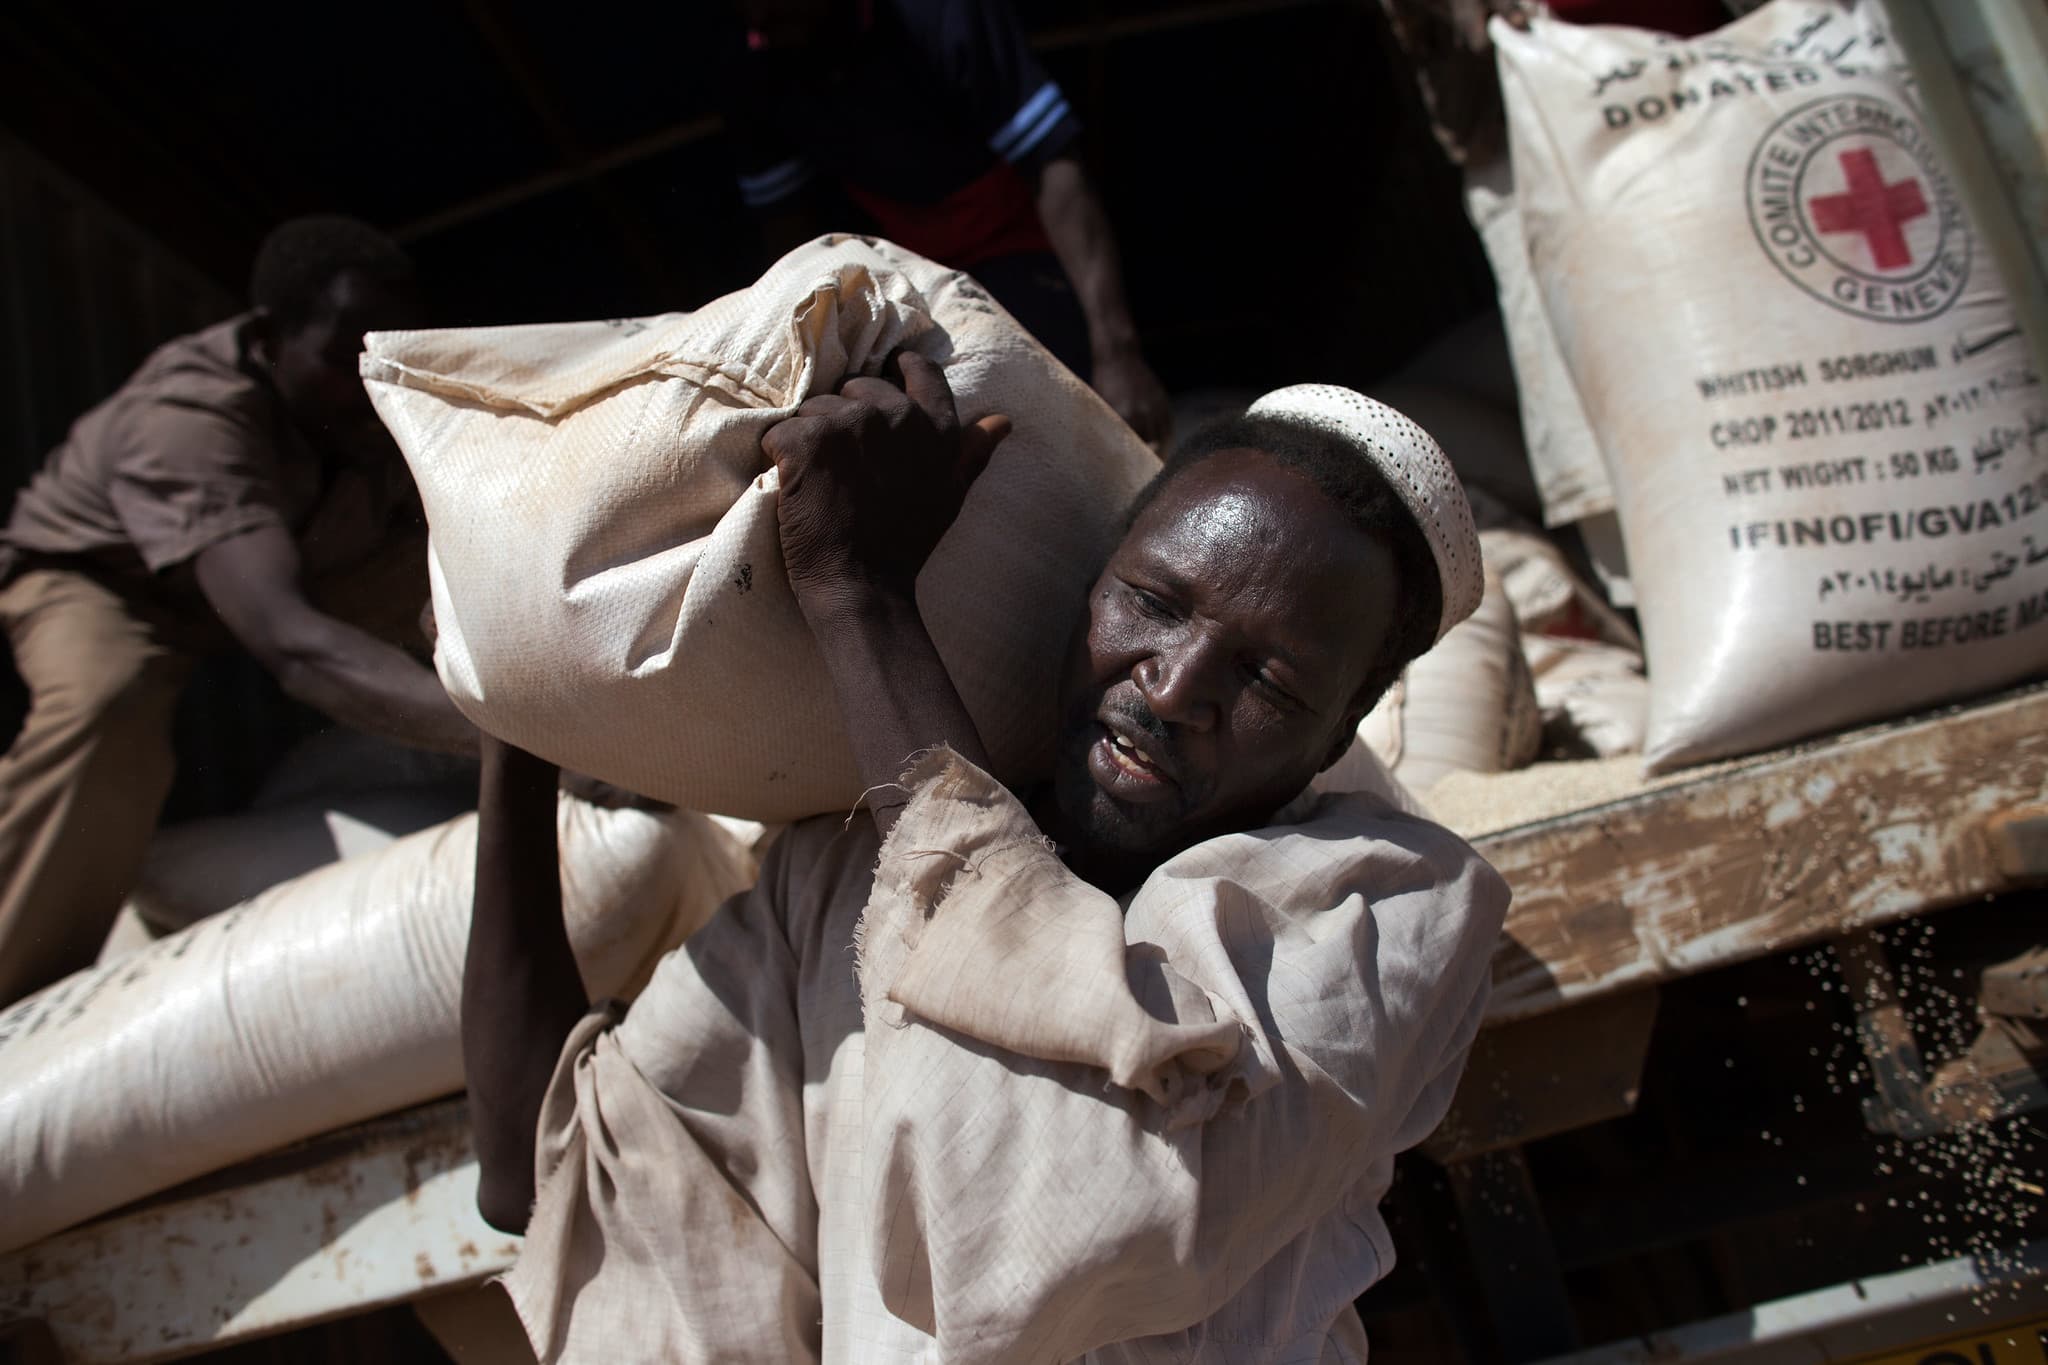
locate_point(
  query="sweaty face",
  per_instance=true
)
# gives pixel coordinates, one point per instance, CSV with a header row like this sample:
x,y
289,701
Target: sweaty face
x,y
314,363
1219,670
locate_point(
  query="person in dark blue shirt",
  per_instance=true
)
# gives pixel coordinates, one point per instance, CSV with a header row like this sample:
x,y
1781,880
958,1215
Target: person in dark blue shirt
x,y
933,121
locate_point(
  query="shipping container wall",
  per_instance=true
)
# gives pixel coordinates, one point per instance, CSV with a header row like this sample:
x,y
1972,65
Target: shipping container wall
x,y
84,296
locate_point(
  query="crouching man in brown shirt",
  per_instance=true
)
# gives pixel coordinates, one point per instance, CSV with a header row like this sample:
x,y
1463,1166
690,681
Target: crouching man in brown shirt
x,y
234,466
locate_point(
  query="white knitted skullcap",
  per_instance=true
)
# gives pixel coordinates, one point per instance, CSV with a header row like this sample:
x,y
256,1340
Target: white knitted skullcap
x,y
1415,467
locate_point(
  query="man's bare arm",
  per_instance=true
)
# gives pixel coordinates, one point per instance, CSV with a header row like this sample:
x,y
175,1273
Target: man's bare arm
x,y
1082,239
521,993
871,479
895,697
252,582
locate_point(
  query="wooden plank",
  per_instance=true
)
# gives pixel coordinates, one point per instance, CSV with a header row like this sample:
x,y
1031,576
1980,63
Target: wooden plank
x,y
374,1215
1795,846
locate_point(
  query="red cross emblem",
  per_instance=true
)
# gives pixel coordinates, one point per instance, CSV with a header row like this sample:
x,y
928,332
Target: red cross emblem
x,y
1869,206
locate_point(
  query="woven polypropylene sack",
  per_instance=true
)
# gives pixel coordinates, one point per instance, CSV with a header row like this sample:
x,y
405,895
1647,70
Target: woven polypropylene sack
x,y
1468,705
607,576
1823,427
1564,455
202,867
1592,695
1584,659
327,1000
1548,595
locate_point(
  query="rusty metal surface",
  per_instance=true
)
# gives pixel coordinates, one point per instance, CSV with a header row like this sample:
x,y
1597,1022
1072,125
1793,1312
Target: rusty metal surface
x,y
1792,847
84,296
378,1215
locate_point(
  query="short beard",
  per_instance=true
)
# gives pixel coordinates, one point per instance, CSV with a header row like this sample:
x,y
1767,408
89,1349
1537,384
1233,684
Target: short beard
x,y
1099,826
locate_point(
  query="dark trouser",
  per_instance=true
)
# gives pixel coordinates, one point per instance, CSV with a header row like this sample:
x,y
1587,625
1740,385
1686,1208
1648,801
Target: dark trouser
x,y
1035,289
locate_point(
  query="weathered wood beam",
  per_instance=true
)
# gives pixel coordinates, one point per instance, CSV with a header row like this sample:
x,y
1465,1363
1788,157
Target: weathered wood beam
x,y
1795,846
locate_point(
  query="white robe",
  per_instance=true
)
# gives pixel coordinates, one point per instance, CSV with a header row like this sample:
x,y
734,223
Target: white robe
x,y
1030,1124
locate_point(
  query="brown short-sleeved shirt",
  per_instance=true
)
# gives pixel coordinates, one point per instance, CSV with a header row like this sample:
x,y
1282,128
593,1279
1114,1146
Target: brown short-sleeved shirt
x,y
194,449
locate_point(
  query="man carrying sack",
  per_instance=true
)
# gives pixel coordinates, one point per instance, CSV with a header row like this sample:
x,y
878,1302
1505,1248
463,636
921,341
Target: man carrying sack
x,y
1112,1069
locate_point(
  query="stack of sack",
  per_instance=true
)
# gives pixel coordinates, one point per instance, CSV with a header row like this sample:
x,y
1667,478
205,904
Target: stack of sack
x,y
330,999
1584,660
1756,335
1545,668
1468,705
336,795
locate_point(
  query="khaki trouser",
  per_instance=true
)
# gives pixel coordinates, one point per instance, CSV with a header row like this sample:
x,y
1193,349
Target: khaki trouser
x,y
81,789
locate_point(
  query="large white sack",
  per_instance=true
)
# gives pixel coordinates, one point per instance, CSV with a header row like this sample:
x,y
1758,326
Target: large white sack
x,y
336,794
327,1000
1468,705
607,577
201,867
1564,456
1824,430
